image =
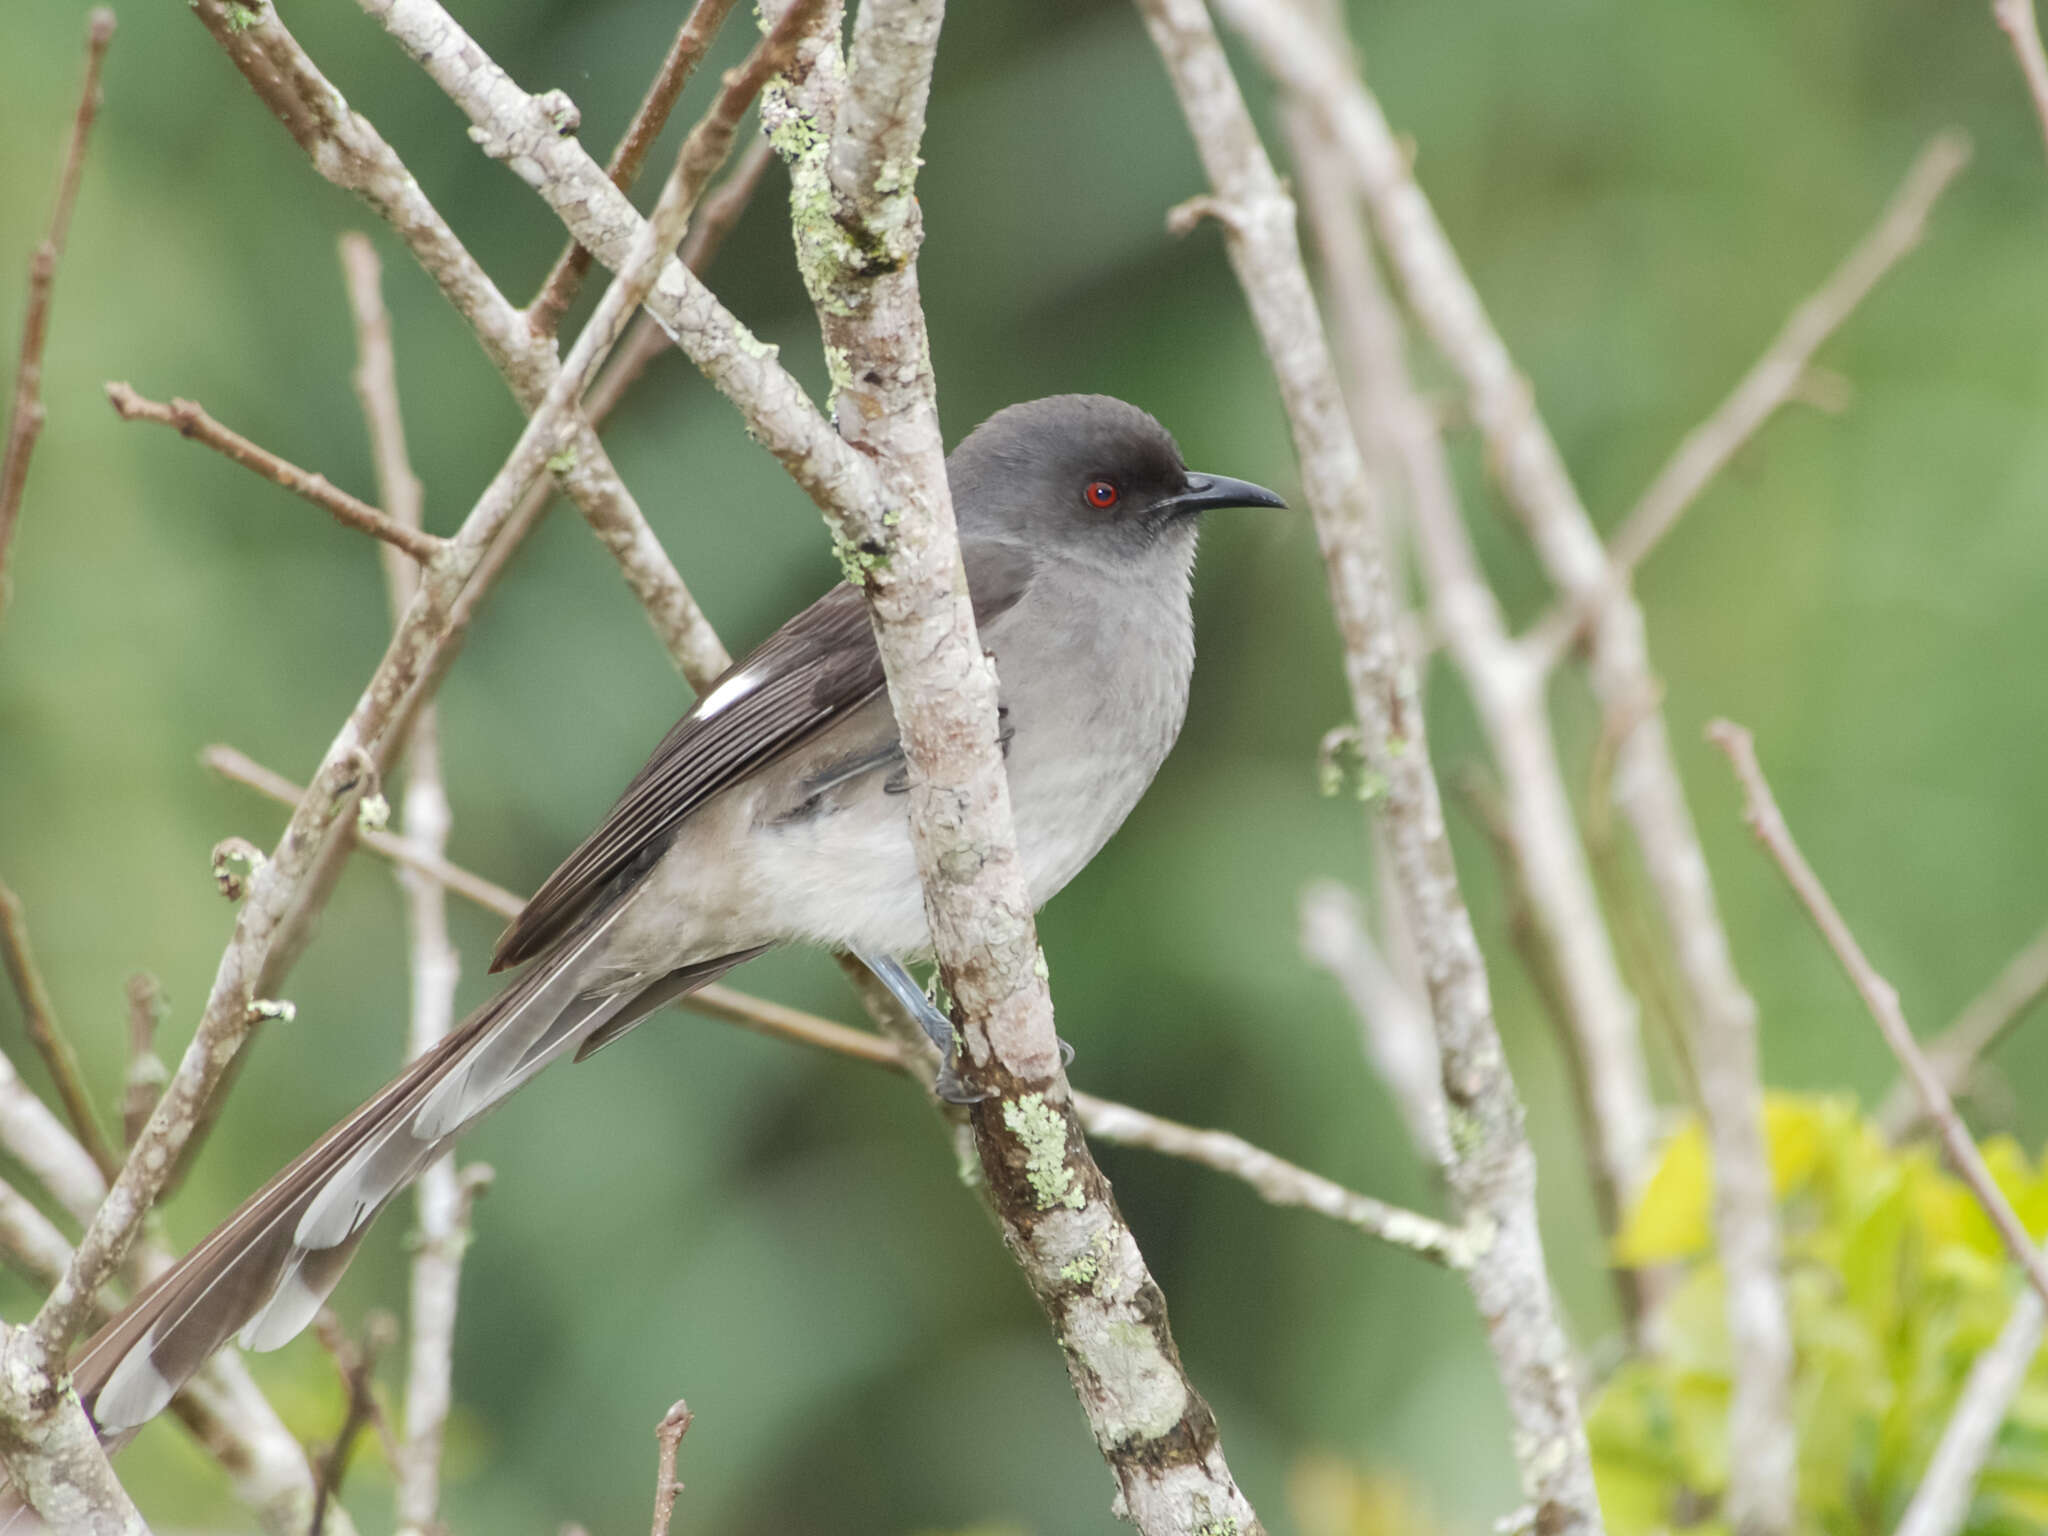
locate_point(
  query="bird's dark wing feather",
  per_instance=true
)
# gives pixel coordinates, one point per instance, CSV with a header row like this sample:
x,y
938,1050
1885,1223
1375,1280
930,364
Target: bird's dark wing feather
x,y
818,667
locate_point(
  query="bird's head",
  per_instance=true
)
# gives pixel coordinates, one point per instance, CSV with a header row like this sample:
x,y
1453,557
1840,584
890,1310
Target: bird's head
x,y
1086,476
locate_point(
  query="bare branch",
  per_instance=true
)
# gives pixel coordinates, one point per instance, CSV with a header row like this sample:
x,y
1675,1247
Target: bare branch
x,y
2016,20
1278,1182
1956,1052
1533,475
692,39
850,134
1761,811
357,1365
39,1016
668,1435
25,415
1600,1020
1775,378
189,419
1491,1170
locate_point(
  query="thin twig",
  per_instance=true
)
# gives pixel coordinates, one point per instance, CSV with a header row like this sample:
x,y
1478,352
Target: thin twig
x,y
2017,21
1772,380
357,1365
685,53
1279,1181
1941,1503
39,1017
1991,1015
1761,811
239,768
191,420
26,414
1491,1171
668,1436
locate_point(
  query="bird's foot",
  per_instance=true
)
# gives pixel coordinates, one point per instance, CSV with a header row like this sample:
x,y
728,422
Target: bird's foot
x,y
890,972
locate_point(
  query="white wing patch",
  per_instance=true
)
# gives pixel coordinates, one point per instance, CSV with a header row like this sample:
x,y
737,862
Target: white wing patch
x,y
727,693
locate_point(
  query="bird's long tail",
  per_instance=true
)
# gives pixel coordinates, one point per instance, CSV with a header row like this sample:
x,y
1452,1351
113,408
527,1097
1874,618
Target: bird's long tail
x,y
265,1271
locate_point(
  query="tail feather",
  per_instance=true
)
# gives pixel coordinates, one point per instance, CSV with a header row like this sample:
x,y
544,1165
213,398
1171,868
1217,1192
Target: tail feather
x,y
266,1270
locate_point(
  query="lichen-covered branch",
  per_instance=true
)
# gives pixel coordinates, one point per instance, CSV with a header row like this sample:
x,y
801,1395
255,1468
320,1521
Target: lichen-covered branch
x,y
850,133
1492,1172
25,414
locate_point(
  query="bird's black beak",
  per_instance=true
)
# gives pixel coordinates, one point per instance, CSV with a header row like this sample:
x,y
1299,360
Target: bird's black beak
x,y
1206,492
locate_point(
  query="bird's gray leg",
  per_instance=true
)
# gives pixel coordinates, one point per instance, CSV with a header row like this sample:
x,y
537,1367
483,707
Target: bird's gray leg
x,y
889,971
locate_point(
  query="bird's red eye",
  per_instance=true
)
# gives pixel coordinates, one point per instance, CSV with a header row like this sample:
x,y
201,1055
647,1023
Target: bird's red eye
x,y
1101,493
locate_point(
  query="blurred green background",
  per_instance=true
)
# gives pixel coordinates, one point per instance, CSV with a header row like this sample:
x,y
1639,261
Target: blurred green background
x,y
1641,194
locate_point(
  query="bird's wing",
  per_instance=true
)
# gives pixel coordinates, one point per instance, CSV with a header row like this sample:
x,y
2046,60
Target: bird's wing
x,y
818,667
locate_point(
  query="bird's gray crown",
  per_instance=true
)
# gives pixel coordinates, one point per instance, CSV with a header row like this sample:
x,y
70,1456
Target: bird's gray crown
x,y
1074,472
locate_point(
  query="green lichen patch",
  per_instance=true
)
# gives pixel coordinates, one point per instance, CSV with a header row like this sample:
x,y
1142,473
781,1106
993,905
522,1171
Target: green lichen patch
x,y
1043,1132
859,560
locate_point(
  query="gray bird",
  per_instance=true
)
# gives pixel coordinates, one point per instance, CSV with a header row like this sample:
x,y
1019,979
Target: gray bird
x,y
773,813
